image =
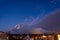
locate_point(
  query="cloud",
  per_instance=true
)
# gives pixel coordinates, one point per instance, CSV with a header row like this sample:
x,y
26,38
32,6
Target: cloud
x,y
49,23
28,27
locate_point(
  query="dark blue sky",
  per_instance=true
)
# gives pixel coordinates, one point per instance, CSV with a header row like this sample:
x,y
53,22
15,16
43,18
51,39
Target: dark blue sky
x,y
14,12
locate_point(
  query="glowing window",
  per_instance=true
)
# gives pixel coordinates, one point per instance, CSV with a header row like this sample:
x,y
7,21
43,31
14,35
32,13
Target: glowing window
x,y
58,36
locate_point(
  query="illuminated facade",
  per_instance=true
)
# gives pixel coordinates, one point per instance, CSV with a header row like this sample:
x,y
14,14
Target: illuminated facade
x,y
34,37
58,36
3,36
29,36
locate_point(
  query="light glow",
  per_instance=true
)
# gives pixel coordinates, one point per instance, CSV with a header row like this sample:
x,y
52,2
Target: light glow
x,y
44,36
58,36
31,38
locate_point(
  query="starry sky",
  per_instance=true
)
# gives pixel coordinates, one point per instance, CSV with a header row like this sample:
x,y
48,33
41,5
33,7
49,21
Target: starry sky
x,y
14,12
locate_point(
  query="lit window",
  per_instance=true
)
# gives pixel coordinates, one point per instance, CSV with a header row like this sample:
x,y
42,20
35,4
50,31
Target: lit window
x,y
58,36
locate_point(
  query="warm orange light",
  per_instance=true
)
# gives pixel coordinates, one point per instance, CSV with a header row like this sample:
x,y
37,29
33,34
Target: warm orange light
x,y
58,36
51,37
31,38
44,36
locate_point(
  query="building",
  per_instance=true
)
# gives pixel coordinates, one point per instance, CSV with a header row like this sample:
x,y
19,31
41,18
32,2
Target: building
x,y
45,36
3,36
34,36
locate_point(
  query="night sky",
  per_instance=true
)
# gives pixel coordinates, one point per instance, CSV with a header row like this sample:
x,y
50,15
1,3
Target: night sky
x,y
14,12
